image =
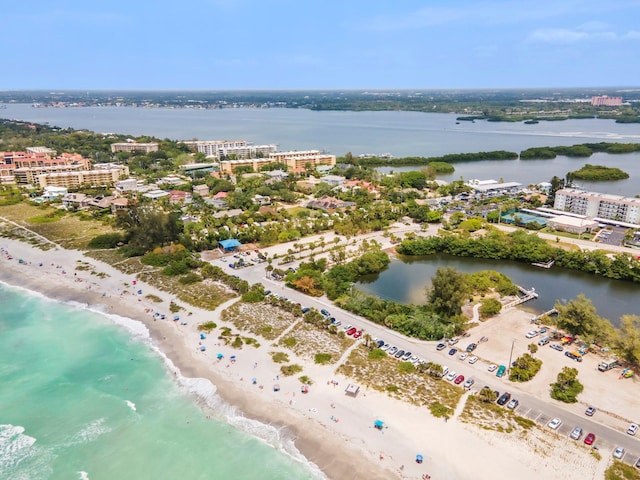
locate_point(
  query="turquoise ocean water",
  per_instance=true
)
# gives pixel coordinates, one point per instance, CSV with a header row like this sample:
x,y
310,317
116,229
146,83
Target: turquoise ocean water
x,y
84,398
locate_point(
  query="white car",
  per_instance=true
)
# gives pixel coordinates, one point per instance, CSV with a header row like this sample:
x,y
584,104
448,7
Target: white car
x,y
347,327
472,359
451,376
385,347
493,367
633,428
532,333
618,453
415,359
554,423
463,356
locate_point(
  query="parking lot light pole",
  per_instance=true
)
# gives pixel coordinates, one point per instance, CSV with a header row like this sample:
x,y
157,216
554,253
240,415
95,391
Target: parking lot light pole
x,y
510,357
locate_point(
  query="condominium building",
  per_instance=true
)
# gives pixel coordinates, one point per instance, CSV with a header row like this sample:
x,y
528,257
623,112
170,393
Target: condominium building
x,y
227,148
598,205
298,160
99,177
229,166
606,101
45,150
134,147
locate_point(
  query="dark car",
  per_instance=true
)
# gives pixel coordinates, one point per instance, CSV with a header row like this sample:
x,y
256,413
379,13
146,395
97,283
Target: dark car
x,y
380,343
440,346
325,313
557,347
504,398
452,351
267,293
471,347
573,356
399,354
306,310
589,439
638,463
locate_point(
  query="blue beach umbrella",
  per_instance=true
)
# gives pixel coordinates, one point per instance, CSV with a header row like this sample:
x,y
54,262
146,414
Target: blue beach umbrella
x,y
220,356
202,348
202,336
419,458
176,318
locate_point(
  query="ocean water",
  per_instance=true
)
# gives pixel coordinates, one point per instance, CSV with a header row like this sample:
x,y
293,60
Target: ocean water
x,y
82,397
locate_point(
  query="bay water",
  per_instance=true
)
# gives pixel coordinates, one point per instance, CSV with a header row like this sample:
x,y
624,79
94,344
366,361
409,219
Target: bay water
x,y
85,396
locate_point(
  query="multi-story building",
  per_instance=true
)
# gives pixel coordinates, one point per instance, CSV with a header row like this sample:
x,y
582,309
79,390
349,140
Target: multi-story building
x,y
606,101
45,150
229,166
99,177
598,205
227,148
134,147
298,160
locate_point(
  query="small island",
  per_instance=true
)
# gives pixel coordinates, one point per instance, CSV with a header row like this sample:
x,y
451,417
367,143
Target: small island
x,y
597,173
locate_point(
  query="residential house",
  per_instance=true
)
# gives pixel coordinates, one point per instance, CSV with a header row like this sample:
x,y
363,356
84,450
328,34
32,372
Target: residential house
x,y
178,196
329,204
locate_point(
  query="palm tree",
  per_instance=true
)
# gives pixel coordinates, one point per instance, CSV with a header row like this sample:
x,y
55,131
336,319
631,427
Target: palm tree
x,y
368,341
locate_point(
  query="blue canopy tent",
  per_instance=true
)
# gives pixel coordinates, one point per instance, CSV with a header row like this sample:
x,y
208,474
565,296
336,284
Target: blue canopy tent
x,y
229,245
419,458
378,424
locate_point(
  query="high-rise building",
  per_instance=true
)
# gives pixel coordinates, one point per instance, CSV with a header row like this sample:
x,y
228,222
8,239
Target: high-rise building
x,y
606,101
598,205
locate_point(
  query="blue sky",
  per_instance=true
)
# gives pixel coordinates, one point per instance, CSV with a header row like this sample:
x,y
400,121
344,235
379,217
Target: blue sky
x,y
307,44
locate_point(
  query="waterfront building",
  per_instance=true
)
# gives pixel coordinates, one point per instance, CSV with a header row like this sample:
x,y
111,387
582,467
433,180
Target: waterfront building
x,y
492,188
214,148
606,101
70,179
598,205
134,147
298,160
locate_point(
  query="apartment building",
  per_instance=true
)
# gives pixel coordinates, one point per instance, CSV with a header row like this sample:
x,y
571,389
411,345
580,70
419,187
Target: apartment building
x,y
134,147
298,160
239,149
229,166
98,177
598,205
606,101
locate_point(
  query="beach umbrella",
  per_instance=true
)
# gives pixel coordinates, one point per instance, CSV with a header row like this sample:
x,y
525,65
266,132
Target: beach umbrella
x,y
139,292
276,388
220,356
254,380
232,357
378,424
163,316
176,318
202,348
202,336
419,458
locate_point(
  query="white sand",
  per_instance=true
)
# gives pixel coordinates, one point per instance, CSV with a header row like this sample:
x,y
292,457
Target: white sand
x,y
343,449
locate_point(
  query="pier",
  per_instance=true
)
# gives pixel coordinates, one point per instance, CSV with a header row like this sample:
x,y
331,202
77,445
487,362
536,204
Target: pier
x,y
537,318
548,264
526,296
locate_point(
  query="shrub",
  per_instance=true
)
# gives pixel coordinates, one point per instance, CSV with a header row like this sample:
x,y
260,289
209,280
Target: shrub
x,y
279,357
306,380
567,388
237,343
377,354
322,358
290,342
525,368
439,410
190,278
406,367
107,240
153,298
490,307
288,370
206,327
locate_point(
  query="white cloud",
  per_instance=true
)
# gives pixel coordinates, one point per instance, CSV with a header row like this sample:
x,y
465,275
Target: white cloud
x,y
557,35
633,35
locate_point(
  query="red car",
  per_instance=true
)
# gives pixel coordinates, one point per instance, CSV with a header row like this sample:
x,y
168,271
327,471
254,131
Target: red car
x,y
589,439
357,334
352,330
459,379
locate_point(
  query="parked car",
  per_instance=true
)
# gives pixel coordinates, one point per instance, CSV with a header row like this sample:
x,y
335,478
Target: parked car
x,y
453,341
440,346
573,356
467,385
501,371
618,453
472,360
451,375
590,411
554,424
385,347
352,330
392,350
590,439
452,351
347,327
407,356
504,398
463,356
267,293
459,379
633,428
492,367
325,312
638,463
307,310
399,354
380,343
576,433
557,347
471,347
513,404
532,333
358,334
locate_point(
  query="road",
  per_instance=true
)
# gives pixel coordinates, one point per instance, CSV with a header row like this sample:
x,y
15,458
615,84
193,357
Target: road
x,y
531,407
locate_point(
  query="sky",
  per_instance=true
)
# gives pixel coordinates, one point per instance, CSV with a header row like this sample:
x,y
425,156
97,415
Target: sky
x,y
318,44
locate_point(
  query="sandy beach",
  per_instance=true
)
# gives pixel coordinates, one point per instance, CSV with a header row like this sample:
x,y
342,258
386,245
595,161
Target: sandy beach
x,y
333,430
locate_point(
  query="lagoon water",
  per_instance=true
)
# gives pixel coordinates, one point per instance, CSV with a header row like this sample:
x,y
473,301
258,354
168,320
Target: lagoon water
x,y
399,133
83,398
406,278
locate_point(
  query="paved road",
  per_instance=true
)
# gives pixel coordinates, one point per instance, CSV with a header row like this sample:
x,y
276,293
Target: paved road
x,y
537,409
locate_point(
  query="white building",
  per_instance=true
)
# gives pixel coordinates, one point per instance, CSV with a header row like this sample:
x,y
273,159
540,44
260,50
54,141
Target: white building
x,y
128,185
598,205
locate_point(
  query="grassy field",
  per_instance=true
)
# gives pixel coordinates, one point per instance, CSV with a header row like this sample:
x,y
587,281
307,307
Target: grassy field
x,y
311,340
492,416
261,319
621,471
70,230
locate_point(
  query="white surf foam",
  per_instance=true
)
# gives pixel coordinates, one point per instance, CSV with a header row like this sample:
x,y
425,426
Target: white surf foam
x,y
131,405
83,475
15,447
90,432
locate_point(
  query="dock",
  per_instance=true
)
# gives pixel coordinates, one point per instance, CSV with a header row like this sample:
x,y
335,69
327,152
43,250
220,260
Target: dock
x,y
548,313
548,264
526,296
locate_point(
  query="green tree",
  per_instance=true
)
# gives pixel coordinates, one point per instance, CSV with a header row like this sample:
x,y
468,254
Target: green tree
x,y
567,387
579,317
448,292
627,340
